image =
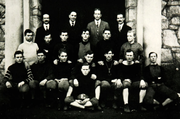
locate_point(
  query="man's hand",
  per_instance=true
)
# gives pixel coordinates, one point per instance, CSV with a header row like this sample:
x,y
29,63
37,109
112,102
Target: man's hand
x,y
137,61
43,82
76,83
101,63
80,60
8,84
116,62
55,61
93,76
20,84
119,83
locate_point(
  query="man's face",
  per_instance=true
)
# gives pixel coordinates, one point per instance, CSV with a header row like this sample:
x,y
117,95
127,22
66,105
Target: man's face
x,y
47,38
89,58
107,35
85,70
19,58
64,36
73,16
97,14
46,19
153,58
85,36
130,37
109,56
120,18
63,57
41,57
129,56
29,37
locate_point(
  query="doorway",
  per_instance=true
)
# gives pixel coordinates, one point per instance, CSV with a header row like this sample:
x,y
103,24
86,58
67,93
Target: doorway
x,y
60,9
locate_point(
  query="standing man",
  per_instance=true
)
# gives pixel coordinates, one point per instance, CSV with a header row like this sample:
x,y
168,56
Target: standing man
x,y
134,46
73,28
119,31
46,27
97,27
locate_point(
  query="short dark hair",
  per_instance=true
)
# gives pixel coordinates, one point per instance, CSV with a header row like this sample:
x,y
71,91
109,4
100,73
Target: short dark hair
x,y
129,50
28,31
153,53
62,50
89,52
17,52
41,51
63,31
106,30
84,30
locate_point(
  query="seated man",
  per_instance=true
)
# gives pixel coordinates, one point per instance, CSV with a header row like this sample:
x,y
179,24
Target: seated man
x,y
130,74
89,59
154,75
42,72
18,77
62,73
82,91
48,45
107,73
84,45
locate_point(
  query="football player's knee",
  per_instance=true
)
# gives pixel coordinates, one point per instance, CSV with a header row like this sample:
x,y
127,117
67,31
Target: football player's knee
x,y
105,84
33,84
24,88
126,84
69,99
94,101
51,84
64,85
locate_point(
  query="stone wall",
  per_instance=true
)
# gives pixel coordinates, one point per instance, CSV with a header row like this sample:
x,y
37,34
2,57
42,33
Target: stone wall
x,y
2,34
131,13
170,31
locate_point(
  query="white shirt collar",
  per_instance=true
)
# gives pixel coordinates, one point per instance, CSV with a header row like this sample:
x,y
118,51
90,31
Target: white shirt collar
x,y
71,22
46,25
99,21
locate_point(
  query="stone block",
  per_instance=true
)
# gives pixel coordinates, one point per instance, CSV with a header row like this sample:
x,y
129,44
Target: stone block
x,y
173,27
2,45
173,3
169,38
131,14
178,33
165,22
131,3
166,56
163,3
175,21
164,12
173,11
132,24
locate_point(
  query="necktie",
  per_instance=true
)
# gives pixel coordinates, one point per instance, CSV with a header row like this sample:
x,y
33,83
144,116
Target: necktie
x,y
97,24
72,23
120,28
47,28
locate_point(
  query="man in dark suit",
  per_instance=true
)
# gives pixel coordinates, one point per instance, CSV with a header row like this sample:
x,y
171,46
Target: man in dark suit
x,y
97,27
119,31
42,31
73,27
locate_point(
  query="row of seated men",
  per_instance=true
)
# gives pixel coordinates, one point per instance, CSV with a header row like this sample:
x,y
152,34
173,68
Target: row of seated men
x,y
88,84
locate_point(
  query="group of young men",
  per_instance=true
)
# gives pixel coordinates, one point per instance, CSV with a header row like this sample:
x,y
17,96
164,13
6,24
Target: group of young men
x,y
86,72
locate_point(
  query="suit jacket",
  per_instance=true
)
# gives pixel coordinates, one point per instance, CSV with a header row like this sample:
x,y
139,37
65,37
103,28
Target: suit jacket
x,y
120,37
40,33
74,32
96,32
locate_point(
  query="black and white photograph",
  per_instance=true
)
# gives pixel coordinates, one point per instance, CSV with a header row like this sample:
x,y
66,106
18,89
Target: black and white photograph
x,y
96,59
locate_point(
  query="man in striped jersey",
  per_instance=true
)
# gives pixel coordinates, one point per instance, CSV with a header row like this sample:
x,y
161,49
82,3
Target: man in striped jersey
x,y
19,78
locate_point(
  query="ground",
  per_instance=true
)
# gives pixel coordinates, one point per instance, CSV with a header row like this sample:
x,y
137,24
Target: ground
x,y
108,113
